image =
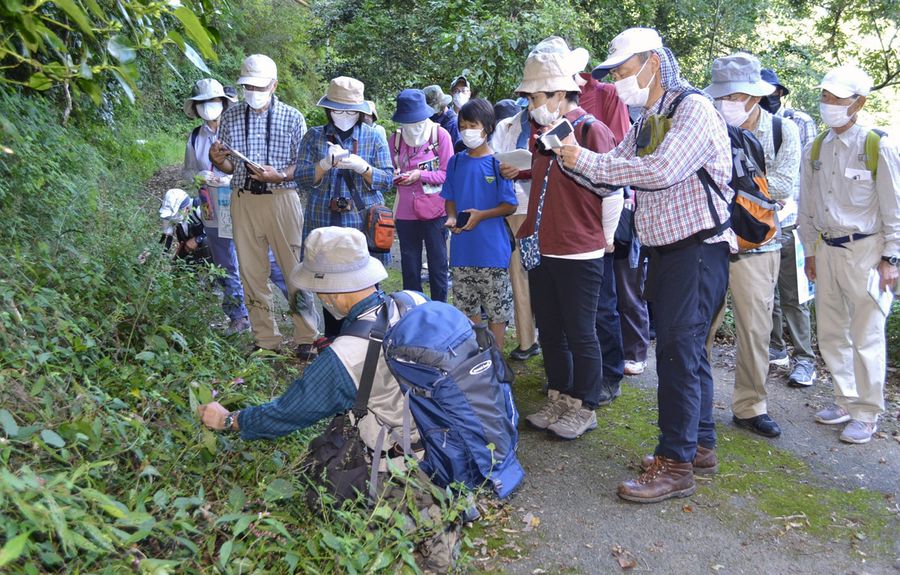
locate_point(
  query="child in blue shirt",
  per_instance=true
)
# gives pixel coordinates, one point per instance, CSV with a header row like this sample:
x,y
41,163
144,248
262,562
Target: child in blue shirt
x,y
480,248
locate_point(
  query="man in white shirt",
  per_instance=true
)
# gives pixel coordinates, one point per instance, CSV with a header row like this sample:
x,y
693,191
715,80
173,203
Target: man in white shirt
x,y
854,206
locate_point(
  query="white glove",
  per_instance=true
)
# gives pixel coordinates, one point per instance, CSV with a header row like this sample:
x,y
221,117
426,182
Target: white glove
x,y
355,163
327,162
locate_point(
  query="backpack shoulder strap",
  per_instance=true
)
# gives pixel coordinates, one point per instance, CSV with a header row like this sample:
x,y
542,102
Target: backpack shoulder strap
x,y
776,132
194,134
376,336
817,147
434,138
678,100
873,143
397,149
585,126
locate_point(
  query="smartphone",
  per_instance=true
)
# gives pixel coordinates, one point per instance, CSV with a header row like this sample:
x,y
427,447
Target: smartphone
x,y
553,138
462,218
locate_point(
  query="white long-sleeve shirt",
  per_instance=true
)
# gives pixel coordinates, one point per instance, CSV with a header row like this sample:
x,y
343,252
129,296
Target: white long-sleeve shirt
x,y
840,197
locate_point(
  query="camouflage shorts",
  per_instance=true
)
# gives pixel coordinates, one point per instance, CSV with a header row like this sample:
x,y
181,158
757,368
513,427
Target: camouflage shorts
x,y
489,288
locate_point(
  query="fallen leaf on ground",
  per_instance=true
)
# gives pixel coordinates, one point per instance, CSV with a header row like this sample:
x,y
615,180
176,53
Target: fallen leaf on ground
x,y
624,557
531,521
687,509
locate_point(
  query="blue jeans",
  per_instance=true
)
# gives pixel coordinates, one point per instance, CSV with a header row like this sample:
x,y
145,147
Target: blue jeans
x,y
413,234
687,287
609,330
224,256
564,296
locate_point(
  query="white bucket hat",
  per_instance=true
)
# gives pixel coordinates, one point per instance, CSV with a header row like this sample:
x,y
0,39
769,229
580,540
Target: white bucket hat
x,y
337,260
258,70
203,91
846,81
345,93
551,66
173,202
630,42
737,74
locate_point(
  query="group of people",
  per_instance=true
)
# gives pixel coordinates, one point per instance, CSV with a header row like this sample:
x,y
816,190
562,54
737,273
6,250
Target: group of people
x,y
574,242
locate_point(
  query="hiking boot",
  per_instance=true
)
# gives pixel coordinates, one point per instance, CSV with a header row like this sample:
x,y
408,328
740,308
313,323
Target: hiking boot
x,y
608,392
761,425
779,357
305,352
635,367
832,415
858,432
520,354
664,479
802,375
705,461
551,411
238,325
575,422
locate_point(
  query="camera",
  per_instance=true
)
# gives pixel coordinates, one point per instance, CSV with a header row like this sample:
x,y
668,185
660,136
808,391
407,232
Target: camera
x,y
339,204
255,186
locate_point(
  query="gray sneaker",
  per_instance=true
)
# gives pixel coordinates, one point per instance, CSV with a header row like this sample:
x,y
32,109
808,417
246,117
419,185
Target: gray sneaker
x,y
858,432
574,422
802,375
832,415
551,411
238,325
779,357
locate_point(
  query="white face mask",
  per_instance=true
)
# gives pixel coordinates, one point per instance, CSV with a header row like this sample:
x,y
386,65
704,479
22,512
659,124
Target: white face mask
x,y
472,138
209,111
543,116
460,98
414,135
345,122
257,100
834,115
332,308
734,112
631,93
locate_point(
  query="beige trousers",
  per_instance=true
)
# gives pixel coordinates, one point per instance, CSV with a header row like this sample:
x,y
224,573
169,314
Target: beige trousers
x,y
850,326
518,277
752,279
262,221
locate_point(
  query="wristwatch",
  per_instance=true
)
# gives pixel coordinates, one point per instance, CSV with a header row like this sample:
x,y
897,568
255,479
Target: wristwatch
x,y
229,420
893,260
283,176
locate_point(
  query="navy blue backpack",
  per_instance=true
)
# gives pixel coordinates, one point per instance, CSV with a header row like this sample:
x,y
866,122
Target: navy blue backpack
x,y
458,390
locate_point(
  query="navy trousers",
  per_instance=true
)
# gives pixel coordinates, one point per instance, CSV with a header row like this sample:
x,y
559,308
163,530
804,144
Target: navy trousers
x,y
609,328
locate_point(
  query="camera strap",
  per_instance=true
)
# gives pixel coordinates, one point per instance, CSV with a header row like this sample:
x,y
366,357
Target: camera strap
x,y
268,127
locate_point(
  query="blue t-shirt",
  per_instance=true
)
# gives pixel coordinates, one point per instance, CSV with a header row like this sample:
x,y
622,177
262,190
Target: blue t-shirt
x,y
476,183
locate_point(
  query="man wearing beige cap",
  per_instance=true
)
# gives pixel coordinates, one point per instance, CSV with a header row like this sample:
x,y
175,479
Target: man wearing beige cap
x,y
257,144
344,166
684,227
849,224
737,88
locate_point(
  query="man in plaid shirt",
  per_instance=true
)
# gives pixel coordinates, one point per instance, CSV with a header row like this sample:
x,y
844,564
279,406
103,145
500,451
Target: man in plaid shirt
x,y
265,207
689,247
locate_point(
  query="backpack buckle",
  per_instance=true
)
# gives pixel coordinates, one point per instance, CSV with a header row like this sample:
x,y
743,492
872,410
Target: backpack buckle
x,y
817,165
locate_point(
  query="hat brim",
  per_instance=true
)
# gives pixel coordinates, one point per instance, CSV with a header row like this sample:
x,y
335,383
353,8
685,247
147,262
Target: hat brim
x,y
838,90
339,282
720,89
555,84
255,81
413,116
445,101
189,109
362,107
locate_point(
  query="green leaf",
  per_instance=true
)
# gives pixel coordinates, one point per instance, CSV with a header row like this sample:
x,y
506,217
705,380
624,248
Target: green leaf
x,y
195,31
195,58
210,441
192,400
10,427
13,548
242,524
52,438
145,355
120,48
225,551
125,83
76,14
39,81
279,489
236,497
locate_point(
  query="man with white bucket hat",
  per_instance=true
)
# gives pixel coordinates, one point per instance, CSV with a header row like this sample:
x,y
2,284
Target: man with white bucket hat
x,y
265,208
849,224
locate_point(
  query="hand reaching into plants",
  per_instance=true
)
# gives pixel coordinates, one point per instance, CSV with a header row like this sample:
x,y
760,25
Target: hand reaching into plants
x,y
213,415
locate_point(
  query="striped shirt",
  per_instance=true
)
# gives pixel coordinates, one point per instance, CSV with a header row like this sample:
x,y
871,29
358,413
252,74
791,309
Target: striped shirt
x,y
671,202
807,127
286,130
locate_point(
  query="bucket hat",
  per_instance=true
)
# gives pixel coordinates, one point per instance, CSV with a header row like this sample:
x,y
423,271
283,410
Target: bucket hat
x,y
553,71
436,98
738,73
772,78
345,93
205,90
337,260
412,107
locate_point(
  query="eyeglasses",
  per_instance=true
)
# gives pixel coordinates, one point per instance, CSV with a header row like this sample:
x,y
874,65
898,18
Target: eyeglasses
x,y
344,112
249,88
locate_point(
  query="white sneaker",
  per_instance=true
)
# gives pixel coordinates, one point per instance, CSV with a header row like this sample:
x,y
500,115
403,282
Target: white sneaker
x,y
635,367
574,422
557,404
858,432
832,415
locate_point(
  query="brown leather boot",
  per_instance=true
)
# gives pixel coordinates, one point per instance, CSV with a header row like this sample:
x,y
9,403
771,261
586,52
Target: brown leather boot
x,y
705,461
665,479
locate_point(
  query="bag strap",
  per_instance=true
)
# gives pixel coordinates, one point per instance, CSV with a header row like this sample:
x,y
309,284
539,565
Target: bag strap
x,y
397,149
194,134
817,148
873,143
776,132
348,179
376,336
525,132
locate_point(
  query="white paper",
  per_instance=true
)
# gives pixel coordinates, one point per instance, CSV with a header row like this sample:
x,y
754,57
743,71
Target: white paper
x,y
858,175
223,212
244,158
519,159
806,290
884,299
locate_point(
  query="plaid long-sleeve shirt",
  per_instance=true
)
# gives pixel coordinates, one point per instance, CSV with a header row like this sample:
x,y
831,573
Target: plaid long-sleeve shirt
x,y
286,129
671,202
371,147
